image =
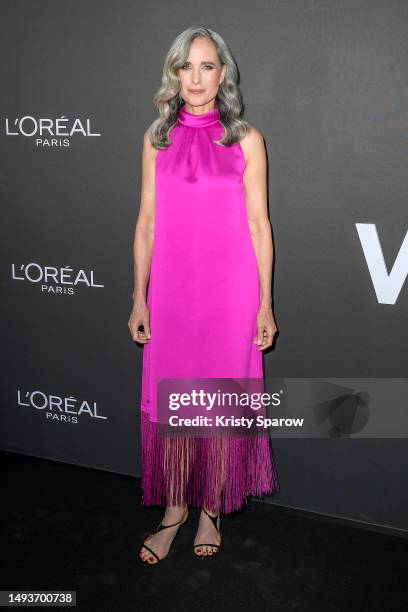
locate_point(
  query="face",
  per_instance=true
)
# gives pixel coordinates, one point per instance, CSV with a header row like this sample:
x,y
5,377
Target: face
x,y
201,75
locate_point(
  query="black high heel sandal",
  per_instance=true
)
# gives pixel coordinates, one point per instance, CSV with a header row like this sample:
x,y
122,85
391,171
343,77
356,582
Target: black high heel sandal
x,y
159,527
216,523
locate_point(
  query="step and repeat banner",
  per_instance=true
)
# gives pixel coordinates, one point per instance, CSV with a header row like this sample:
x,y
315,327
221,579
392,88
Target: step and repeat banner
x,y
325,83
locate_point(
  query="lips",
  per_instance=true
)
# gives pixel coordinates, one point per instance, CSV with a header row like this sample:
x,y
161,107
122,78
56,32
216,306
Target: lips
x,y
197,91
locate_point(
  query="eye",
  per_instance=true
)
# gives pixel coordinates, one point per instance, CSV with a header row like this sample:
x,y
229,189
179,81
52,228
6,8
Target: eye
x,y
186,65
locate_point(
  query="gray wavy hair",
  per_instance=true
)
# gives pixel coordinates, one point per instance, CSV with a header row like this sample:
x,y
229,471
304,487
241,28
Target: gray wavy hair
x,y
168,100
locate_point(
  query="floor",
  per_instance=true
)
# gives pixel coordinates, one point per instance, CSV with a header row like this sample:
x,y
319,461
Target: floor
x,y
74,528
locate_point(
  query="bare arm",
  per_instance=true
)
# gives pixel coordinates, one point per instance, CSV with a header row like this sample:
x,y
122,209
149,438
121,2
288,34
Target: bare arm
x,y
255,185
143,244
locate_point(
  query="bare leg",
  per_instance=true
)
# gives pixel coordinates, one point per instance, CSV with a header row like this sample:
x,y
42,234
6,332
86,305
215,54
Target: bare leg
x,y
177,457
178,449
207,531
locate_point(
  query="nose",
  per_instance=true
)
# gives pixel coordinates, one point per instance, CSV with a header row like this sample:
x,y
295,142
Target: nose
x,y
196,78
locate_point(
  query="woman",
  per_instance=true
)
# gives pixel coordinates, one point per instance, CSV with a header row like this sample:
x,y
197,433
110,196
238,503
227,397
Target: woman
x,y
203,240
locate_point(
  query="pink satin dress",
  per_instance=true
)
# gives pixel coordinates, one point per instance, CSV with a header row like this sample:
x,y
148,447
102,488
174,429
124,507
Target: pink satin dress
x,y
203,298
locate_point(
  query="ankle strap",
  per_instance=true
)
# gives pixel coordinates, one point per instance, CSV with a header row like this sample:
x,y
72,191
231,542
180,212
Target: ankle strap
x,y
161,526
213,518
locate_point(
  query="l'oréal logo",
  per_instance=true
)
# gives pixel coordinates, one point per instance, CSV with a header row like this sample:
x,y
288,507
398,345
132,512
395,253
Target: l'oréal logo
x,y
49,132
54,280
58,408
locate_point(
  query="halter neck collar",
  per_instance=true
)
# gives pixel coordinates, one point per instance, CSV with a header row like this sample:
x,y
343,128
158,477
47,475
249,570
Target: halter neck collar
x,y
192,120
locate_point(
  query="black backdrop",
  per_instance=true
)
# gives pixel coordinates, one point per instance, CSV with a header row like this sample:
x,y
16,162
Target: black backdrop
x,y
325,81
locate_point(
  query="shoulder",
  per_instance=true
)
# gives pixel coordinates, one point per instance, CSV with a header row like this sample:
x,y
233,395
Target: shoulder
x,y
148,149
253,144
147,142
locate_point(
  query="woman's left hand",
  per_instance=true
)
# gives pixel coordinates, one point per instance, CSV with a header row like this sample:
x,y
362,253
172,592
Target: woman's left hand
x,y
266,326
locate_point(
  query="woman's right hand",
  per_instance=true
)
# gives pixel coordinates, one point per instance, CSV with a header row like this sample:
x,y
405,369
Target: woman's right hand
x,y
140,316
